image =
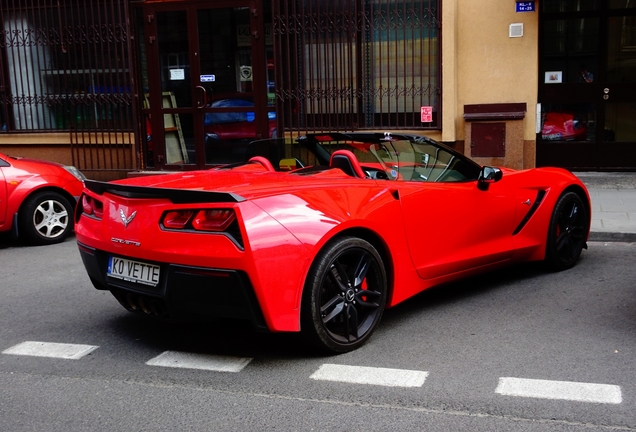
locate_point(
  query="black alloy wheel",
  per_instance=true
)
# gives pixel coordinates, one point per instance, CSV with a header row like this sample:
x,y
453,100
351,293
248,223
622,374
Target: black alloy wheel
x,y
567,232
344,296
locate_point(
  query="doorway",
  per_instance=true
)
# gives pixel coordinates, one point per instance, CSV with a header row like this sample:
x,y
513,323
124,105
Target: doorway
x,y
587,85
207,88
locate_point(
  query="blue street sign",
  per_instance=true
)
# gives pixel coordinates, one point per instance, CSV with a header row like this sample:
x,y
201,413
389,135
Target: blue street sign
x,y
525,6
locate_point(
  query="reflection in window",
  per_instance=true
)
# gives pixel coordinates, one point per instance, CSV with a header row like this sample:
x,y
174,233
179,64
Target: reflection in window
x,y
622,4
568,122
620,122
571,48
549,6
621,49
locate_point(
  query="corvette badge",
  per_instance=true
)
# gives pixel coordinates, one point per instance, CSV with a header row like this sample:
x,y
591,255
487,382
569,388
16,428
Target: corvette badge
x,y
126,220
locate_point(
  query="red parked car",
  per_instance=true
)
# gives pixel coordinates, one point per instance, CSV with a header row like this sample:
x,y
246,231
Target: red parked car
x,y
37,199
322,235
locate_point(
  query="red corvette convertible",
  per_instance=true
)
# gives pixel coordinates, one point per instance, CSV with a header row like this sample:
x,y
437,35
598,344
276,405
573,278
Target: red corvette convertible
x,y
37,198
321,236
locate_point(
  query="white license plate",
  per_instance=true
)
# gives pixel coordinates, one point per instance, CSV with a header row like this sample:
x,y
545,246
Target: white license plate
x,y
133,271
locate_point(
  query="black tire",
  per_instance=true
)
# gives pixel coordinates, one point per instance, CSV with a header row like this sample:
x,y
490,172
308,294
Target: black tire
x,y
344,296
567,232
45,218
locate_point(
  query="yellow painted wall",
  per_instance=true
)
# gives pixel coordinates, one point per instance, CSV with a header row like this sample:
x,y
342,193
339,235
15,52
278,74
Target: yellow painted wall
x,y
481,64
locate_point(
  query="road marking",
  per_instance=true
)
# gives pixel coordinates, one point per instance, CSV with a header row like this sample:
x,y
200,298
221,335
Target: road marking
x,y
50,349
566,390
370,375
176,359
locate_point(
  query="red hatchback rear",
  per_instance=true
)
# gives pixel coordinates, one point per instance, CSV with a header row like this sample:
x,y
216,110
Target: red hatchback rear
x,y
37,199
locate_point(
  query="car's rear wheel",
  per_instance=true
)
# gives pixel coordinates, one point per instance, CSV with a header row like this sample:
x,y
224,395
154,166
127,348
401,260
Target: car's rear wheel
x,y
344,295
45,218
567,232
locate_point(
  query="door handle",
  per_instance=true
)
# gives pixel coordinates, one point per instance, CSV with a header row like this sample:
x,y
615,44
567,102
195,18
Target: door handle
x,y
203,99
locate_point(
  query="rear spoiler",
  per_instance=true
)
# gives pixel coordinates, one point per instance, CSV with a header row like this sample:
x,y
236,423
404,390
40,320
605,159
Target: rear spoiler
x,y
177,196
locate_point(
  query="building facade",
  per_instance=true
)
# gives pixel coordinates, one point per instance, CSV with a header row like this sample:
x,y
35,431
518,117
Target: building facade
x,y
114,86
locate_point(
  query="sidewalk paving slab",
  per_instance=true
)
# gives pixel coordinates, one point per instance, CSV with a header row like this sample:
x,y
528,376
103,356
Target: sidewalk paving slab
x,y
613,196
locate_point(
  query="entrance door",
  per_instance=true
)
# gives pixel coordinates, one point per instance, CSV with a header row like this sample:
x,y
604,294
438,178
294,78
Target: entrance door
x,y
587,87
203,70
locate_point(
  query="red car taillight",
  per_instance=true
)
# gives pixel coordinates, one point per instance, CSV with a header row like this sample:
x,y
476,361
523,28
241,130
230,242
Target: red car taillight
x,y
220,221
210,220
92,207
216,220
177,219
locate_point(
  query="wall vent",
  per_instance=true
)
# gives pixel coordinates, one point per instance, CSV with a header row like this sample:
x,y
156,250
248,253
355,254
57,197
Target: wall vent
x,y
516,30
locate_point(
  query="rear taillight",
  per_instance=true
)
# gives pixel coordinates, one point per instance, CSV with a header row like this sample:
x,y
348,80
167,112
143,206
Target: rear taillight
x,y
177,219
216,220
92,207
209,220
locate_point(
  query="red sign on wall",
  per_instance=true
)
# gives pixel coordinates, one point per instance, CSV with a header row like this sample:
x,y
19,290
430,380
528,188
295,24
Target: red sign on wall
x,y
427,114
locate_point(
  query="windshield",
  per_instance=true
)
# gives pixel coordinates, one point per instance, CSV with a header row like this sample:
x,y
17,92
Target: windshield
x,y
386,156
407,160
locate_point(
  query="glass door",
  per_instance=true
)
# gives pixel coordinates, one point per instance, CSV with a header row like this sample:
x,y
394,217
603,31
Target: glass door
x,y
587,89
203,69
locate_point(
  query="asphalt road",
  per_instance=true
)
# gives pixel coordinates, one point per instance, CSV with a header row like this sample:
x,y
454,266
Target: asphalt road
x,y
577,326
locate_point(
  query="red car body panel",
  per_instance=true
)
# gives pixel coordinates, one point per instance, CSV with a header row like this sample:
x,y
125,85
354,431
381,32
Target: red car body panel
x,y
427,233
22,177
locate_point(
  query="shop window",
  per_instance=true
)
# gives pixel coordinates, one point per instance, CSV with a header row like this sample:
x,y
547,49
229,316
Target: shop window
x,y
622,4
570,5
568,122
620,122
66,66
359,64
570,50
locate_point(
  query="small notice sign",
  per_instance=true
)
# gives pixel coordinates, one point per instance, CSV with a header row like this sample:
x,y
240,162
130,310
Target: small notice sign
x,y
207,78
427,114
177,74
525,6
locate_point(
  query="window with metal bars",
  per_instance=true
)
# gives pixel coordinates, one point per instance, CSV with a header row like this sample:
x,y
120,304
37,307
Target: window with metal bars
x,y
65,65
357,64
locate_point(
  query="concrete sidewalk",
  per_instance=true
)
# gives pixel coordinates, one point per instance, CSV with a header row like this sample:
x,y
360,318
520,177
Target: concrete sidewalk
x,y
613,205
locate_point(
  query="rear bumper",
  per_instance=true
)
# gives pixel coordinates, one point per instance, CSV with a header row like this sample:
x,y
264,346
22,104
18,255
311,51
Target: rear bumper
x,y
184,293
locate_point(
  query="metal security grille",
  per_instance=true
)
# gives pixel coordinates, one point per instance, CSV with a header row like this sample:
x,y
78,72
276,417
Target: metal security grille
x,y
66,67
357,64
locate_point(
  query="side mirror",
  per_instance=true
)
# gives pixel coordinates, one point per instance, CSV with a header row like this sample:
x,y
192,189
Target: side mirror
x,y
488,175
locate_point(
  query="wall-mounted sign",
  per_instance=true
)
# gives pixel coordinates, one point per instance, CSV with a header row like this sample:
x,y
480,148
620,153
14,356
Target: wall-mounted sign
x,y
526,6
426,112
246,73
177,74
207,78
553,77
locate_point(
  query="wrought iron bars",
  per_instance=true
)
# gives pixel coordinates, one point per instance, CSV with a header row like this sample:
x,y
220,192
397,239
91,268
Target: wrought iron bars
x,y
356,64
66,67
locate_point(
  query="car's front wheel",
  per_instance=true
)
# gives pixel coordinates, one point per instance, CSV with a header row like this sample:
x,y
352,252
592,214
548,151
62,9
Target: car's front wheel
x,y
567,233
344,296
45,218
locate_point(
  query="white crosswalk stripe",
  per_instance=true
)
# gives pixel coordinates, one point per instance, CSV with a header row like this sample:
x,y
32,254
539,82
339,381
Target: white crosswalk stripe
x,y
507,386
176,359
565,390
370,375
50,349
